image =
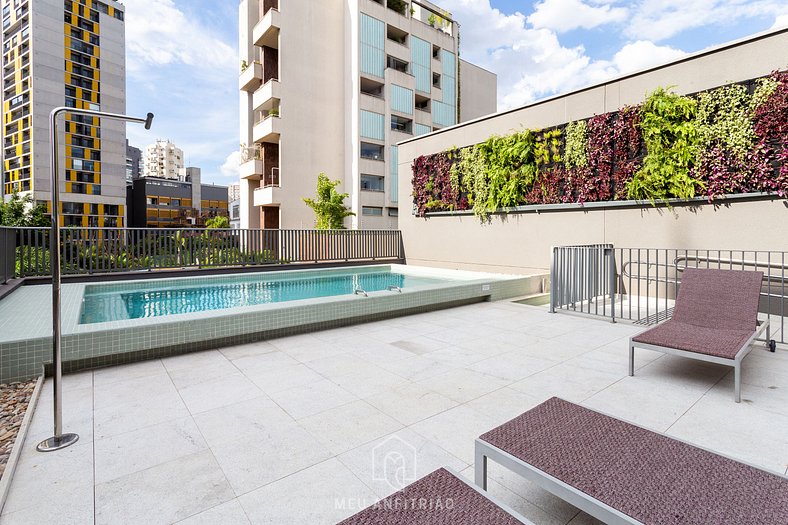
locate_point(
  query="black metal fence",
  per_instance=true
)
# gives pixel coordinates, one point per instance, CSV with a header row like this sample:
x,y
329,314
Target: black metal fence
x,y
641,284
25,252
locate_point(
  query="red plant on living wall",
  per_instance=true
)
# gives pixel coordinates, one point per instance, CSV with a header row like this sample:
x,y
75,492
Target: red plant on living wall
x,y
770,123
628,144
600,158
432,189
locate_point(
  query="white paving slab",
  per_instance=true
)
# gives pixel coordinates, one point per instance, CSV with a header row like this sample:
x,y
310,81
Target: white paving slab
x,y
293,430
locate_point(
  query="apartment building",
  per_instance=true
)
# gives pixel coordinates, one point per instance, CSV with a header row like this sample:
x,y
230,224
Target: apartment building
x,y
163,159
157,202
133,163
332,87
65,53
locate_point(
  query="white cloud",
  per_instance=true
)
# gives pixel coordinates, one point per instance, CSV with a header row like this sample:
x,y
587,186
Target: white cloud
x,y
565,15
661,19
780,22
186,72
231,165
531,63
643,54
159,34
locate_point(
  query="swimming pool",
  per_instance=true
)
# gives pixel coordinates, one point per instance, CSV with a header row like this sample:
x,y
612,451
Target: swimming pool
x,y
103,304
122,321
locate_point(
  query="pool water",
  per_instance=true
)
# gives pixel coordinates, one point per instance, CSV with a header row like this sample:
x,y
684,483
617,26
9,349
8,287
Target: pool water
x,y
134,303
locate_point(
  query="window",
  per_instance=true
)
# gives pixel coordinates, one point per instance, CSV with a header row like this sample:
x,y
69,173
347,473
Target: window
x,y
396,63
402,125
393,212
371,211
436,80
371,151
436,52
175,202
372,183
72,208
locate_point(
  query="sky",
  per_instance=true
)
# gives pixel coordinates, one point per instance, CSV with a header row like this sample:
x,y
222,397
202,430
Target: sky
x,y
183,65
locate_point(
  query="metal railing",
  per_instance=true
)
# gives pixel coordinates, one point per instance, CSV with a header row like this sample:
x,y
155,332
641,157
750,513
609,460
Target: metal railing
x,y
106,250
641,284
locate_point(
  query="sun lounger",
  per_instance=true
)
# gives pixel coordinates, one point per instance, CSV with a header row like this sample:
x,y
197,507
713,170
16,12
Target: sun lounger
x,y
624,474
440,498
715,319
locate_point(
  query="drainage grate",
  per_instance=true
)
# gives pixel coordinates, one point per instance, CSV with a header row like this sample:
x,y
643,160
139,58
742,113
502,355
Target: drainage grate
x,y
656,318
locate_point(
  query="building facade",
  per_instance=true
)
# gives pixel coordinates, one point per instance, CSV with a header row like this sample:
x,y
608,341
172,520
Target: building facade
x,y
163,159
65,53
332,87
156,202
133,163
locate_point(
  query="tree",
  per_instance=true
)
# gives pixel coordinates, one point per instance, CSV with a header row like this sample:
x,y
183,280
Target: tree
x,y
20,211
217,223
330,210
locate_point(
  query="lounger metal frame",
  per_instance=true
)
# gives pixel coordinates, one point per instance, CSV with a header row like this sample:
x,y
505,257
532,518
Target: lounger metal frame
x,y
735,362
588,504
566,492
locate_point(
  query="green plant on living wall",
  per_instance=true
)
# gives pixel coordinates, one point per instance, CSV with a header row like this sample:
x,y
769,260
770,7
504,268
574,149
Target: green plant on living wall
x,y
725,118
723,141
547,147
670,133
575,155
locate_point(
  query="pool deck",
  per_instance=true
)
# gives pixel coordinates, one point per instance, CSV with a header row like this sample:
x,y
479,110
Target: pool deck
x,y
288,431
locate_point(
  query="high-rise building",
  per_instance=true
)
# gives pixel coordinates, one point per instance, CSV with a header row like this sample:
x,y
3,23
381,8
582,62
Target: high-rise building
x,y
133,162
66,53
332,87
163,159
234,191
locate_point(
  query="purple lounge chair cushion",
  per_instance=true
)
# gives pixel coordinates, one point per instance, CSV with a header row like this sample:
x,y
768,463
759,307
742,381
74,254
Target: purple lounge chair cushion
x,y
716,312
436,499
648,476
726,299
698,339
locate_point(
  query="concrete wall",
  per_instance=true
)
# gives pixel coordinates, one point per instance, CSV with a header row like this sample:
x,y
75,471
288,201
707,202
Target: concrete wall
x,y
521,242
478,91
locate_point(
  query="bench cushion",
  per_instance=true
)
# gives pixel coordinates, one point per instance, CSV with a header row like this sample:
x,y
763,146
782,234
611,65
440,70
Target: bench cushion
x,y
439,498
645,475
716,342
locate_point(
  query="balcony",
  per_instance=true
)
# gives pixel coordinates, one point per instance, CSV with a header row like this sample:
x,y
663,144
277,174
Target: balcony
x,y
251,168
266,31
269,192
267,96
267,130
251,77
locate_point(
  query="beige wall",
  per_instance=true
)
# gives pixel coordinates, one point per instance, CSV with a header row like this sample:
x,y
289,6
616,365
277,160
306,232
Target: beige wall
x,y
521,242
478,91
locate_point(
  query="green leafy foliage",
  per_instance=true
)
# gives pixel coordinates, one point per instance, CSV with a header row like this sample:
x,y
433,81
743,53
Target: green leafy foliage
x,y
329,207
670,132
547,147
723,141
21,211
575,155
219,222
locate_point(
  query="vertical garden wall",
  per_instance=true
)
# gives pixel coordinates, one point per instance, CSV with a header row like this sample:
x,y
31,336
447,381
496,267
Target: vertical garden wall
x,y
725,141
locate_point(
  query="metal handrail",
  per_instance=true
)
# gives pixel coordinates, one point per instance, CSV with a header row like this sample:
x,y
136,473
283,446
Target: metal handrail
x,y
393,288
360,291
680,268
